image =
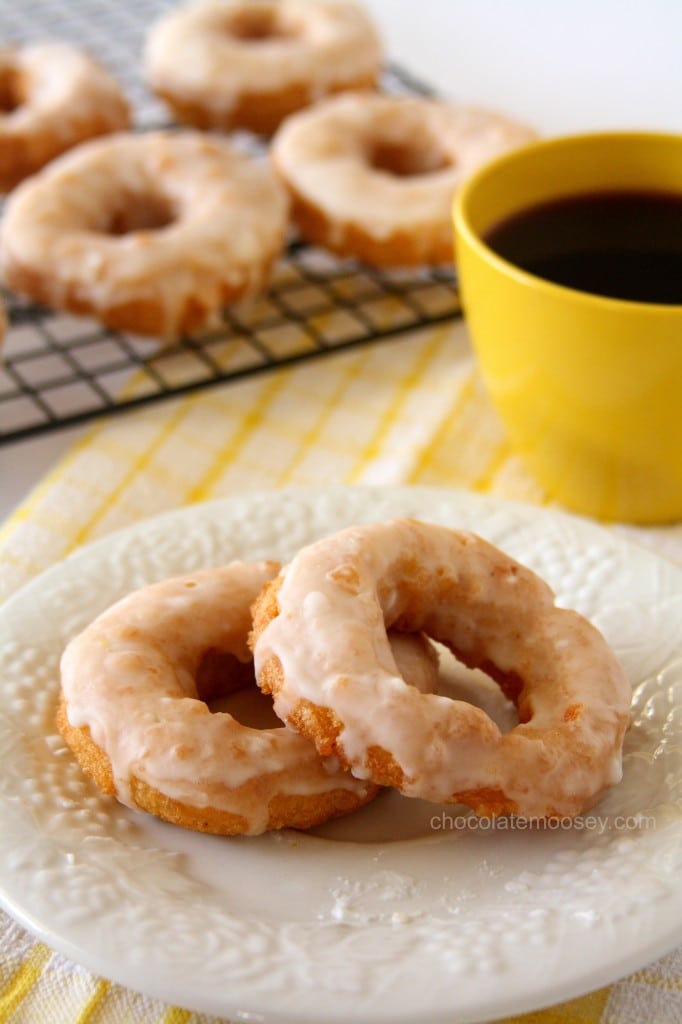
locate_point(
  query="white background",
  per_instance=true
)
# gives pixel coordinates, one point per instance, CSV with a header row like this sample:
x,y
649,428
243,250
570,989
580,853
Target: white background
x,y
561,65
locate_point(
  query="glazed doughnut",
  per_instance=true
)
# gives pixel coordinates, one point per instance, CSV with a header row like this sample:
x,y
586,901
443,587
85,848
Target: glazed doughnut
x,y
133,709
373,177
249,65
52,96
151,233
319,642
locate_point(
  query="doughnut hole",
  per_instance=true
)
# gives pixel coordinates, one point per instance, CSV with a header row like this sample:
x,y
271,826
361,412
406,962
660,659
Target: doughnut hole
x,y
417,157
13,90
258,24
139,211
498,693
227,684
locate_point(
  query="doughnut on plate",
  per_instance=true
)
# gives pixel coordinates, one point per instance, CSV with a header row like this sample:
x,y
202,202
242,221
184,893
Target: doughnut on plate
x,y
343,923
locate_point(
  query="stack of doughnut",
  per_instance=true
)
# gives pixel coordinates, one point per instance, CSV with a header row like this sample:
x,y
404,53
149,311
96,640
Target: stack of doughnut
x,y
341,638
156,235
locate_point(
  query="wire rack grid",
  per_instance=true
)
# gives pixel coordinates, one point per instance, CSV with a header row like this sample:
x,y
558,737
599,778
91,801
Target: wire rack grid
x,y
58,370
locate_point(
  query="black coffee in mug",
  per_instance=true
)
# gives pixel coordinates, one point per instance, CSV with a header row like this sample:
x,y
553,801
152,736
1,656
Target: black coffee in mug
x,y
625,245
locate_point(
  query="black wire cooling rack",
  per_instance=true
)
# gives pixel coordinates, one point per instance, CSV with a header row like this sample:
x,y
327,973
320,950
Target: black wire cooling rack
x,y
58,370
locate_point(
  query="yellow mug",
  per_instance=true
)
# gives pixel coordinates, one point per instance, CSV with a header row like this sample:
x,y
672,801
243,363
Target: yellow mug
x,y
588,387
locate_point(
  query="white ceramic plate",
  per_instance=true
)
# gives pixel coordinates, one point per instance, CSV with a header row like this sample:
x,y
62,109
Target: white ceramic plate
x,y
401,912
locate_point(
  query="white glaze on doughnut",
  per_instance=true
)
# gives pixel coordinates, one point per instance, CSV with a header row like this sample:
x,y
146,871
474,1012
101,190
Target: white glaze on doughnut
x,y
64,97
198,52
228,219
338,597
130,678
325,155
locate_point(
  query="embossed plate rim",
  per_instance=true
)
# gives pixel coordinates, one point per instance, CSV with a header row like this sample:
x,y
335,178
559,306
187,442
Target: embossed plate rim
x,y
357,982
